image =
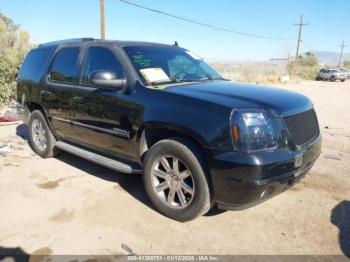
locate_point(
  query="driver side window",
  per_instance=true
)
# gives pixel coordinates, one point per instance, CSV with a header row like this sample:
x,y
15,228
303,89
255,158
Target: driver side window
x,y
101,59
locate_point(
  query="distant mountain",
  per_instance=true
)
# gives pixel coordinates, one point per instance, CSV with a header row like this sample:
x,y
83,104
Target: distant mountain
x,y
329,58
325,57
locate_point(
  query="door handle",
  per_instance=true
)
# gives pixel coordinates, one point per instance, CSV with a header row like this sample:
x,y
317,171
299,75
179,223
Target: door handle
x,y
45,93
78,99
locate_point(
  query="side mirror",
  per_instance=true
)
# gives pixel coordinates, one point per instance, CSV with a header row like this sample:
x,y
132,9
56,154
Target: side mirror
x,y
107,79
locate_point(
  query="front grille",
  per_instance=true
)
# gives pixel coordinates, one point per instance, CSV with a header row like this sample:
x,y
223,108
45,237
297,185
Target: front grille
x,y
302,127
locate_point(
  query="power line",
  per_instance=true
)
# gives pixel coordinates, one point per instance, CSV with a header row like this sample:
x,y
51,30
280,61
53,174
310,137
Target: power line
x,y
228,30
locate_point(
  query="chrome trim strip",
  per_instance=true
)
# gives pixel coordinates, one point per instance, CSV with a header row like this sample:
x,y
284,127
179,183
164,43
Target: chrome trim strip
x,y
61,119
115,131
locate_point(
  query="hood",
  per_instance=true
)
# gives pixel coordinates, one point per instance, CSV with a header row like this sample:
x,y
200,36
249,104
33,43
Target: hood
x,y
278,102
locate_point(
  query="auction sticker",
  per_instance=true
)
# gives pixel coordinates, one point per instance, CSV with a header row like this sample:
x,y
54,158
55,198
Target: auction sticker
x,y
154,75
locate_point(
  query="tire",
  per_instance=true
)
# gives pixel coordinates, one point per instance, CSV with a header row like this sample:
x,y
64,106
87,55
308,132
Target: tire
x,y
190,159
343,80
36,123
332,79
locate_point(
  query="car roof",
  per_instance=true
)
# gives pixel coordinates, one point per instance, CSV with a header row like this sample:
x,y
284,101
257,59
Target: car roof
x,y
120,43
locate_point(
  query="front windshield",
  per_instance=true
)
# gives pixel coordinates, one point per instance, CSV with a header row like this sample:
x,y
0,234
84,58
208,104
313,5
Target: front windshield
x,y
158,64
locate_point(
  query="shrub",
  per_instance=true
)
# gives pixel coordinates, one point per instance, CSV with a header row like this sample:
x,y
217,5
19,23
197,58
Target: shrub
x,y
14,45
304,68
347,64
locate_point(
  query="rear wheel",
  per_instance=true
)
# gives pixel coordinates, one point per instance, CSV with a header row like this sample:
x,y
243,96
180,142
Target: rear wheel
x,y
332,79
176,179
42,140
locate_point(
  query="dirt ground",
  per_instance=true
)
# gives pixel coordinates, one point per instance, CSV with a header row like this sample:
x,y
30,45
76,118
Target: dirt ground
x,y
67,205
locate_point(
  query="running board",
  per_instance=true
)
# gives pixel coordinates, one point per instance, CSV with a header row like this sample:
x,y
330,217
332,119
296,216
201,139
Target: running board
x,y
98,159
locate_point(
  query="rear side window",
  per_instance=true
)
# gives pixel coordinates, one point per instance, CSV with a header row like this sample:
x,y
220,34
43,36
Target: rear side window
x,y
34,64
65,65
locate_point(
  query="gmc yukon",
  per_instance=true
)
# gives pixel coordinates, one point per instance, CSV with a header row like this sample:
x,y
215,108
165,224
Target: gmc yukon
x,y
159,110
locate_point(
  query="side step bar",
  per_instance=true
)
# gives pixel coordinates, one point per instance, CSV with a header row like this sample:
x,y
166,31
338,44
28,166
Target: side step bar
x,y
98,159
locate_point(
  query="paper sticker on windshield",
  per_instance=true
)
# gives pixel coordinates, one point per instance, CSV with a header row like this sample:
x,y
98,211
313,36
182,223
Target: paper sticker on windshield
x,y
154,75
194,56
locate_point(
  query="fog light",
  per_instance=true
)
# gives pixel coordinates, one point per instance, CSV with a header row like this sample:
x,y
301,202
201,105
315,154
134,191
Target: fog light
x,y
298,161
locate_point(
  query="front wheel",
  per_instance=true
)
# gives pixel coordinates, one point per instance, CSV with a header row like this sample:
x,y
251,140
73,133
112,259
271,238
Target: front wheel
x,y
176,179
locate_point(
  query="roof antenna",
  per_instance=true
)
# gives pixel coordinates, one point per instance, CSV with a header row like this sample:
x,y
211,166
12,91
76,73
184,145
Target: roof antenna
x,y
176,44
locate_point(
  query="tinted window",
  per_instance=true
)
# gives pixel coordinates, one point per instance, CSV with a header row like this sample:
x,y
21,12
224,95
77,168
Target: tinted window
x,y
33,65
65,65
101,59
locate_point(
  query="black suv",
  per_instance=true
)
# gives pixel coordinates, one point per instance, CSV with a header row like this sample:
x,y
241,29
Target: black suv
x,y
161,111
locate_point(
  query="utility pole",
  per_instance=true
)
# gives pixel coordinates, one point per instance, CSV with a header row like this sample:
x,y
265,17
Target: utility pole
x,y
341,53
102,15
301,24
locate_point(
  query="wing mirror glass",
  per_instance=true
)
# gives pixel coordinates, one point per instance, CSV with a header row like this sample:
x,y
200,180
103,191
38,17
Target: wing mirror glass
x,y
107,79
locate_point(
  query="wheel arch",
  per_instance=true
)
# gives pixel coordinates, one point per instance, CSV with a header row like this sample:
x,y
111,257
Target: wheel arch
x,y
152,132
31,105
35,106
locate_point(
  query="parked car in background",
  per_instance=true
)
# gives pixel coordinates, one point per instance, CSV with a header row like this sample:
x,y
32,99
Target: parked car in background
x,y
331,75
161,111
346,72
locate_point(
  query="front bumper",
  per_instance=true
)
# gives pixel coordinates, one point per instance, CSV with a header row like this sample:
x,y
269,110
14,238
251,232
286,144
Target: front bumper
x,y
241,180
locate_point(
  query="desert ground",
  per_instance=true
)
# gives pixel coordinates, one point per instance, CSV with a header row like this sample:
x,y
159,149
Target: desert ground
x,y
67,205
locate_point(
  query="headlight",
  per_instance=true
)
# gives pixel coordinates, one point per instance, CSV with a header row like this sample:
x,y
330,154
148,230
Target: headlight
x,y
252,131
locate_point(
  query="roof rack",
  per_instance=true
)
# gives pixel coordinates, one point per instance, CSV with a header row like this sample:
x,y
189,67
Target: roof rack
x,y
73,40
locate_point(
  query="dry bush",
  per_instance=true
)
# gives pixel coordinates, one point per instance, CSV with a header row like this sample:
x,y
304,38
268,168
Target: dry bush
x,y
252,72
347,64
304,68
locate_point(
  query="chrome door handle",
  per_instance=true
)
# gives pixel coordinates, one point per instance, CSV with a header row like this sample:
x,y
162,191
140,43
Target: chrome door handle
x,y
45,93
78,99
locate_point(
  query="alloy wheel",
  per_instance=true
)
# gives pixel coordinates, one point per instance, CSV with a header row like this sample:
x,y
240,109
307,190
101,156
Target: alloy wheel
x,y
39,135
173,182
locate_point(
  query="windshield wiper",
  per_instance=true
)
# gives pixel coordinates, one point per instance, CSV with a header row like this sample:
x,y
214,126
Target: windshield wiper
x,y
174,81
163,82
187,80
216,78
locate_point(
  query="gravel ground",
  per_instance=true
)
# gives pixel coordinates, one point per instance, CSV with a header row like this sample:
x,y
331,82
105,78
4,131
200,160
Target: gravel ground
x,y
70,206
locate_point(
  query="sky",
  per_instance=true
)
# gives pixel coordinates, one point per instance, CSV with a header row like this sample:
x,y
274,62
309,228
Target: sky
x,y
329,24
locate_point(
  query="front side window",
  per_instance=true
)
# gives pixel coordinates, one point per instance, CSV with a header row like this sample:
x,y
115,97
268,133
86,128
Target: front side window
x,y
65,67
101,59
158,64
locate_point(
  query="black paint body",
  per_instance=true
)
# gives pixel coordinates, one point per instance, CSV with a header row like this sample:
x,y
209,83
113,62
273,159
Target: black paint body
x,y
111,122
